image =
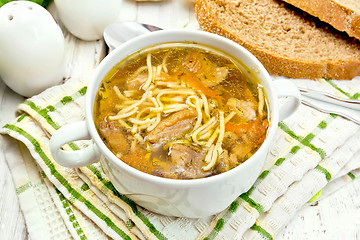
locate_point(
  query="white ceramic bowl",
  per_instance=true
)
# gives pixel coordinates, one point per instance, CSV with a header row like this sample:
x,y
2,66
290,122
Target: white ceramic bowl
x,y
186,198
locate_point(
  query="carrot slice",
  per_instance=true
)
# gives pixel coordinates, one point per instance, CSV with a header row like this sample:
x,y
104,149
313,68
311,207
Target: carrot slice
x,y
198,85
257,126
237,128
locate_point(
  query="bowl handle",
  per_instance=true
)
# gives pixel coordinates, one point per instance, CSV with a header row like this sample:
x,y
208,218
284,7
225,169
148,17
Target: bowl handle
x,y
286,88
79,158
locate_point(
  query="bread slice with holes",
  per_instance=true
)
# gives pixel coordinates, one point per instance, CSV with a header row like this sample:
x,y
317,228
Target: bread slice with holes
x,y
287,41
344,15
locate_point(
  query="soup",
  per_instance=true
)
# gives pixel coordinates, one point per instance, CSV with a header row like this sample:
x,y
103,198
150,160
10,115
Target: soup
x,y
181,111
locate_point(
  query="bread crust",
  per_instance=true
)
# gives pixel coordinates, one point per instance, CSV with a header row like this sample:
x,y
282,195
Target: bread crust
x,y
274,62
339,16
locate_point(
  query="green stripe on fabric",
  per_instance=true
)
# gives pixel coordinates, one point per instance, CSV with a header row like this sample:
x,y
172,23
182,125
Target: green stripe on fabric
x,y
66,100
258,180
294,149
82,91
252,203
262,232
84,187
221,222
233,206
316,196
264,174
71,215
324,171
279,161
352,176
286,129
219,225
65,183
212,234
24,115
44,112
130,224
42,174
338,88
50,108
333,115
23,188
251,189
355,96
322,125
73,146
129,202
305,141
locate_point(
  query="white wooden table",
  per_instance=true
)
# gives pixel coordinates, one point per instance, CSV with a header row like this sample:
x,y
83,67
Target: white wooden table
x,y
336,217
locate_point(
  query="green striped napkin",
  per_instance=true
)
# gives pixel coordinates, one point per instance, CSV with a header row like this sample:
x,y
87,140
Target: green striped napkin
x,y
313,152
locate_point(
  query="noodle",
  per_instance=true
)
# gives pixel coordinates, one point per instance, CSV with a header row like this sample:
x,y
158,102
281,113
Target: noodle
x,y
261,101
197,106
175,107
130,93
118,93
124,124
206,104
158,115
164,62
222,127
136,104
157,121
139,138
176,99
138,71
142,112
177,92
124,115
217,149
134,129
150,72
180,141
169,84
212,138
209,155
206,126
206,135
141,122
158,70
230,116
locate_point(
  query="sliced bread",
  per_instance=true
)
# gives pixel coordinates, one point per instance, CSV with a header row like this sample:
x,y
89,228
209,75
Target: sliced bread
x,y
287,41
344,15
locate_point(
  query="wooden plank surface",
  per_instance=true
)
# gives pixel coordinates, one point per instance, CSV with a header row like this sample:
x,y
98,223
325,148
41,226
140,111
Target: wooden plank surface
x,y
336,217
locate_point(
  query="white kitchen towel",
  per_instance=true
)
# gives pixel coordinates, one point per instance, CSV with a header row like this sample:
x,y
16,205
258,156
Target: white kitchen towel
x,y
310,150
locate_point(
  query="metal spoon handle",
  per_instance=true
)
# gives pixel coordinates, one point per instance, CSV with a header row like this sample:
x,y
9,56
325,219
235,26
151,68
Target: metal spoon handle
x,y
120,32
329,98
322,106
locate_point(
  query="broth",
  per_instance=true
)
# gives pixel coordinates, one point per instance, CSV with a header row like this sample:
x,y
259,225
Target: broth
x,y
182,111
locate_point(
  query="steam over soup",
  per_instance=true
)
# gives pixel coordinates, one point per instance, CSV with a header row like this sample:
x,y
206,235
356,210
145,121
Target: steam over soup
x,y
181,110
